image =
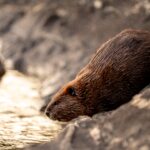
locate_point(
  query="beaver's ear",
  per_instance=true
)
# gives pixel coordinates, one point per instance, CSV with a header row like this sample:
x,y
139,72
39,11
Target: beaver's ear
x,y
71,91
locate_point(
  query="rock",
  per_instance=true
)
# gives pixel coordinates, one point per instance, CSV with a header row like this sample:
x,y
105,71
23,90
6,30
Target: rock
x,y
9,16
125,128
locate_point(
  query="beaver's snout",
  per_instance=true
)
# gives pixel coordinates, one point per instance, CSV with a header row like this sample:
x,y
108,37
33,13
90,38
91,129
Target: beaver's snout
x,y
65,108
47,113
49,109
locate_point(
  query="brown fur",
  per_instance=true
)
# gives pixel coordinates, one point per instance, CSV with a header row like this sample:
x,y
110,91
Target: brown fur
x,y
118,71
2,69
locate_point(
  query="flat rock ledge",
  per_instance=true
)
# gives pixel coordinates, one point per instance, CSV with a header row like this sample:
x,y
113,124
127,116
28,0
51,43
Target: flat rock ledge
x,y
21,123
127,128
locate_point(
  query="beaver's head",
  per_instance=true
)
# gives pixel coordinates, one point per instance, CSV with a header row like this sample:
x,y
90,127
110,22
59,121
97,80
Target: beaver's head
x,y
72,100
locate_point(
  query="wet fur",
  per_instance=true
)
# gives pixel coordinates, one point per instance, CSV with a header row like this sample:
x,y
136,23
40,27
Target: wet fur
x,y
118,71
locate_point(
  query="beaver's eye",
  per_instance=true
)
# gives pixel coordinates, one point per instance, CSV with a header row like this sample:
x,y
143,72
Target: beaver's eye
x,y
71,91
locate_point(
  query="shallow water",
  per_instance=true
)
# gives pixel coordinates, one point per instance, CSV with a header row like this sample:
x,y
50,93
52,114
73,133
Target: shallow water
x,y
21,123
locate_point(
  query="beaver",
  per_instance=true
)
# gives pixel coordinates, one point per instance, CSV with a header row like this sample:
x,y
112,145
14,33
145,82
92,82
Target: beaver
x,y
2,68
119,70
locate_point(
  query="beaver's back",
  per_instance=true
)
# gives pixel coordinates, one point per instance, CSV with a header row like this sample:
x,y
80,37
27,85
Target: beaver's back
x,y
121,67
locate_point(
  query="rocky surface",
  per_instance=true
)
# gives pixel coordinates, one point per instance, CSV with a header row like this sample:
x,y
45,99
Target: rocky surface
x,y
125,128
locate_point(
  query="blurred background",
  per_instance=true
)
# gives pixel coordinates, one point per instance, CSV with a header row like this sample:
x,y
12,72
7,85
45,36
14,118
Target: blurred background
x,y
51,40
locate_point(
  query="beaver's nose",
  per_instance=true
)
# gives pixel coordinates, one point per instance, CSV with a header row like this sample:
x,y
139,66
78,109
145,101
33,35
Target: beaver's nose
x,y
47,113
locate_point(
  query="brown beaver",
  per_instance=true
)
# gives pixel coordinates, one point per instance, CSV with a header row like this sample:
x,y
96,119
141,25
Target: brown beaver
x,y
2,68
118,71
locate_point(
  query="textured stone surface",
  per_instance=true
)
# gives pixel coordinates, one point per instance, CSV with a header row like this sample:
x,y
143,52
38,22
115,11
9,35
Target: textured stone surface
x,y
125,128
